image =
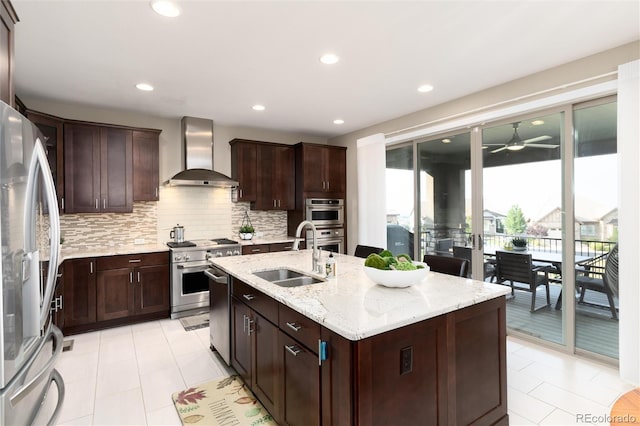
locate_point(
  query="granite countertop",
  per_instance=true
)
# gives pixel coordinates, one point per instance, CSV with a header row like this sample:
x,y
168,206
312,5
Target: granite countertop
x,y
351,304
75,251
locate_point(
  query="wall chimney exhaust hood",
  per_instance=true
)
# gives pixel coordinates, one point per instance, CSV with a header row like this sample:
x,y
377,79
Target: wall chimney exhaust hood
x,y
197,142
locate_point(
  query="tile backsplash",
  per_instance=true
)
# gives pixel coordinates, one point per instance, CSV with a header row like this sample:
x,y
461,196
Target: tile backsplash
x,y
203,211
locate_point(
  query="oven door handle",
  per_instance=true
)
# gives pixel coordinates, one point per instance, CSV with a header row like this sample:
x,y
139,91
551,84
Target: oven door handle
x,y
322,242
193,268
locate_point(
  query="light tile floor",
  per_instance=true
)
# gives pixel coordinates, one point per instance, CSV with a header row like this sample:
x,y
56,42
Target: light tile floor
x,y
126,375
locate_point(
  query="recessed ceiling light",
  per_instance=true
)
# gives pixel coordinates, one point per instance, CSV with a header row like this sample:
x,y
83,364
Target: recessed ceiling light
x,y
329,59
425,88
338,121
144,86
537,122
258,107
446,140
166,8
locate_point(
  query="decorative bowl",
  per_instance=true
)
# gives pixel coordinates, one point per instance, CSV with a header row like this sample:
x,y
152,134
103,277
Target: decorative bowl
x,y
393,278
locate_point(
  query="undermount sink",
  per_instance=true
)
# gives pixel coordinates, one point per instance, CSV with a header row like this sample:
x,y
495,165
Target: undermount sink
x,y
286,277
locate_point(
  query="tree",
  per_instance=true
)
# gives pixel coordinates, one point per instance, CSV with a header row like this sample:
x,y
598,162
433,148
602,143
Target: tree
x,y
515,222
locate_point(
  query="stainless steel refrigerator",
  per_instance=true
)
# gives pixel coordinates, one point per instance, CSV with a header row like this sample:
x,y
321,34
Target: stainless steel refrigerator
x,y
30,237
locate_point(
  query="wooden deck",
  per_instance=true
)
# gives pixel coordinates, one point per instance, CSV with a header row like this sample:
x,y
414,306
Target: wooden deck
x,y
596,331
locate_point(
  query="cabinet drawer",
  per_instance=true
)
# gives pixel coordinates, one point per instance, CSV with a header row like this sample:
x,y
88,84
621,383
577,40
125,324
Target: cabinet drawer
x,y
255,249
281,246
256,300
299,327
128,260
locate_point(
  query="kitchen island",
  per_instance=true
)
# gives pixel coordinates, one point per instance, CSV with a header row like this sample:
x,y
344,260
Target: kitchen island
x,y
348,351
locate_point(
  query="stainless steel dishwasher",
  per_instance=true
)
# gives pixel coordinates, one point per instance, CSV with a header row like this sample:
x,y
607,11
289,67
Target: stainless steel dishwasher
x,y
219,314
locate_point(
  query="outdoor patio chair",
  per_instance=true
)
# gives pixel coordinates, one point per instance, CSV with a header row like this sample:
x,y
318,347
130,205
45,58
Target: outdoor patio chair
x,y
364,251
447,265
465,253
522,274
592,276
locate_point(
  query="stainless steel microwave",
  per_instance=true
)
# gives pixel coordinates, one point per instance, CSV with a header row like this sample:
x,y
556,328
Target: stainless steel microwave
x,y
326,212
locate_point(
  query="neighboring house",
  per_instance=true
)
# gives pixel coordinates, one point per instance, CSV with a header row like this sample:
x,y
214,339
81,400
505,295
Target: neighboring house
x,y
493,222
601,228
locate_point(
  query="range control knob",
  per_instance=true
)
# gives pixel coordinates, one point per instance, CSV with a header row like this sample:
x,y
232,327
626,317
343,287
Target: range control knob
x,y
208,256
177,258
187,257
218,254
236,252
229,253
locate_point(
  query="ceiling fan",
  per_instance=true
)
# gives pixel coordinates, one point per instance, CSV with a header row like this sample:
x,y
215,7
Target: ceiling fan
x,y
516,144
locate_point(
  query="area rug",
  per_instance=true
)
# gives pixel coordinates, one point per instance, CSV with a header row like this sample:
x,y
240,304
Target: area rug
x,y
222,402
195,322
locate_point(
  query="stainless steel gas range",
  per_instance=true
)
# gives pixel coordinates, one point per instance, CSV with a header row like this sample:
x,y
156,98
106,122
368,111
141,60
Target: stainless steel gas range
x,y
189,284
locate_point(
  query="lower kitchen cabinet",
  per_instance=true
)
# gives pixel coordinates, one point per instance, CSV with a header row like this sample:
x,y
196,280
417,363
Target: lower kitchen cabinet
x,y
114,290
79,292
446,370
130,285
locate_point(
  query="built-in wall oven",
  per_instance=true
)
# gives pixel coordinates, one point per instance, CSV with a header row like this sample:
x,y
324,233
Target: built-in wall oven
x,y
189,283
327,239
325,212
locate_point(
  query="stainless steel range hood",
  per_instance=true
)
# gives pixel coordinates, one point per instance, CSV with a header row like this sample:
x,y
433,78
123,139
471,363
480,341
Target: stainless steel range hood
x,y
197,142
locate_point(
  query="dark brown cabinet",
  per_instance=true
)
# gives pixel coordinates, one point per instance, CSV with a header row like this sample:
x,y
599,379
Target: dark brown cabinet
x,y
244,168
446,370
276,178
8,19
265,172
266,248
254,343
130,285
321,171
98,169
79,302
52,129
146,179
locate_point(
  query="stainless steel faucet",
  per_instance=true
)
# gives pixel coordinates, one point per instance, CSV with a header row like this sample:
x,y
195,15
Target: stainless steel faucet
x,y
316,253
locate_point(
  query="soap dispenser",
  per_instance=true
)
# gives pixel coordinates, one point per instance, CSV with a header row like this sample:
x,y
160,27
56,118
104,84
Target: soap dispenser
x,y
330,266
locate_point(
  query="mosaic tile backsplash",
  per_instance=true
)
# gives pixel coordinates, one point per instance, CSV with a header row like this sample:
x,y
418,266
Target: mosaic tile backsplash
x,y
204,213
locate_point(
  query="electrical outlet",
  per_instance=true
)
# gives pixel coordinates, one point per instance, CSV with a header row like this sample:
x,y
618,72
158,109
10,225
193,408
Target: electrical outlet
x,y
406,360
139,241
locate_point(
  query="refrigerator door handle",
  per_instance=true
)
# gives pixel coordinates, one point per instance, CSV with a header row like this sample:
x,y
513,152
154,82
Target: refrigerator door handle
x,y
56,379
39,161
27,387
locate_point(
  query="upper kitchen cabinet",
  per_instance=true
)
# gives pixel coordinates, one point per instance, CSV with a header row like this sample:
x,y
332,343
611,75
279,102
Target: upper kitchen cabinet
x,y
244,168
265,172
321,172
8,19
146,180
98,169
52,129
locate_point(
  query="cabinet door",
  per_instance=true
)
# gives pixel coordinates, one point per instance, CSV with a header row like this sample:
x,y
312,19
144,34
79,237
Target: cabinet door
x,y
301,383
79,291
82,168
152,294
244,168
266,366
116,170
265,198
313,168
115,293
52,128
7,20
240,340
146,177
283,178
336,169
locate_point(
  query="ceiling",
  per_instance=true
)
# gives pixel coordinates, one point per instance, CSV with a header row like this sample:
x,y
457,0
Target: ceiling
x,y
218,58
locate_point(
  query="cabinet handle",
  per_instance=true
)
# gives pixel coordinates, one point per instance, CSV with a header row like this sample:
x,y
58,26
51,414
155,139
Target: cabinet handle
x,y
138,276
248,296
62,202
131,277
293,349
274,203
249,329
244,323
279,203
91,267
293,326
256,250
135,260
323,184
96,204
156,192
327,184
104,203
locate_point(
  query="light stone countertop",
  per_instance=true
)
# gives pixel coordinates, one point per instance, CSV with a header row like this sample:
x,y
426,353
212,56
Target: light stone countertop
x,y
351,304
74,252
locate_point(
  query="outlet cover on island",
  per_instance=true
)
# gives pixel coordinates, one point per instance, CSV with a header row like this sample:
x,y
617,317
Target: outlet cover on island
x,y
139,241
